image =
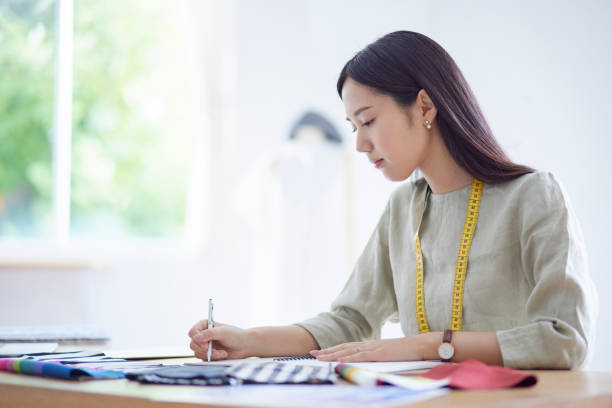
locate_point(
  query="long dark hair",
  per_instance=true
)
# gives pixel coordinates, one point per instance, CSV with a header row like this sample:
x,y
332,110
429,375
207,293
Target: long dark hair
x,y
402,63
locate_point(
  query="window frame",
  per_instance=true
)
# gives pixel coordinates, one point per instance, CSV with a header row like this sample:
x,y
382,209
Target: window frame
x,y
62,251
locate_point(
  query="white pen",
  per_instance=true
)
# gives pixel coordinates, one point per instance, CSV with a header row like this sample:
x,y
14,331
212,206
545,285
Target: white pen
x,y
211,324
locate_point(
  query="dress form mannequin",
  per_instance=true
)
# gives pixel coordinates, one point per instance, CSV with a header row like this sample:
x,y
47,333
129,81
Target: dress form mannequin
x,y
309,135
297,206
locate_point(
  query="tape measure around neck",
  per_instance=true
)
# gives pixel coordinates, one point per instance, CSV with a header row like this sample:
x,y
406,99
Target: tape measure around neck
x,y
471,218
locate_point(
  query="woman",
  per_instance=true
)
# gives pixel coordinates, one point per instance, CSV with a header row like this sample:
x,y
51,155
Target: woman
x,y
480,258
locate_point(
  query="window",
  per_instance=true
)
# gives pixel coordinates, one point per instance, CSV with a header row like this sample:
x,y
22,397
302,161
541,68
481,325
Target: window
x,y
100,119
27,41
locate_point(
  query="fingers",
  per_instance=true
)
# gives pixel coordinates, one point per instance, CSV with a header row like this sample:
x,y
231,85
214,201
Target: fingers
x,y
334,348
218,354
343,353
207,335
198,351
201,352
339,348
202,339
340,355
355,357
201,326
198,327
224,338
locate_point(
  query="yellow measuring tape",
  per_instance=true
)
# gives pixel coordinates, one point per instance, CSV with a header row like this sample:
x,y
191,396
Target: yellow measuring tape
x,y
471,218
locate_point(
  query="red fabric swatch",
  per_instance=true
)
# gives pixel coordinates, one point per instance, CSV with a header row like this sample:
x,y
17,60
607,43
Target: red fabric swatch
x,y
474,375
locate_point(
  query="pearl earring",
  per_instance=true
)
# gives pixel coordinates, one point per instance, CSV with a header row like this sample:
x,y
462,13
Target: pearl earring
x,y
427,124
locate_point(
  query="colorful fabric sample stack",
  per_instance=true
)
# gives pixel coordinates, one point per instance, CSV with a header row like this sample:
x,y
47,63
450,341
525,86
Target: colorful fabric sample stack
x,y
54,369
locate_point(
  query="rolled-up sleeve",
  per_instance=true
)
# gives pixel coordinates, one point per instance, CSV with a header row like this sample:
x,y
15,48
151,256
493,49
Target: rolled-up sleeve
x,y
562,306
366,301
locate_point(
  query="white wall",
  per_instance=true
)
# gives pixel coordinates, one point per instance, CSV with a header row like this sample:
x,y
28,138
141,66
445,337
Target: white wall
x,y
539,72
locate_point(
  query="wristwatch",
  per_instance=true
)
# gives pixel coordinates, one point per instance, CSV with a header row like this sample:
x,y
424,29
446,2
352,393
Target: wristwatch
x,y
446,351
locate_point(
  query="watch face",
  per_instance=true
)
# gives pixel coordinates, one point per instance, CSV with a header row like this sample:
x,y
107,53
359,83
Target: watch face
x,y
446,351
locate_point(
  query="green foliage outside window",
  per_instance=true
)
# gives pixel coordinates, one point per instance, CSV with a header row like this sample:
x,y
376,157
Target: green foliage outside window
x,y
26,116
131,103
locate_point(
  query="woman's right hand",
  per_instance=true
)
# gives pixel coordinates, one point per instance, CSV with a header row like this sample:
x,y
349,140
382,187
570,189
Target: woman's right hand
x,y
229,342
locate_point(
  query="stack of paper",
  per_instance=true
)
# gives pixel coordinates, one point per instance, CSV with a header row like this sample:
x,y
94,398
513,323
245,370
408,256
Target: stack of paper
x,y
59,334
19,349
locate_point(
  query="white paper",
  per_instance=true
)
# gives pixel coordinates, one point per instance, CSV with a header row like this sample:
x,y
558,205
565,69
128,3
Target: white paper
x,y
151,352
26,348
302,396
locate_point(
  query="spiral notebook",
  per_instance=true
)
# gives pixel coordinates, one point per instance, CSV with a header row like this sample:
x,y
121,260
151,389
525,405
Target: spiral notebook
x,y
379,366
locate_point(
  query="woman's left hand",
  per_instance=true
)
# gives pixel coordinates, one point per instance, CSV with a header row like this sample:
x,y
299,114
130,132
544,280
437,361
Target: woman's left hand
x,y
400,349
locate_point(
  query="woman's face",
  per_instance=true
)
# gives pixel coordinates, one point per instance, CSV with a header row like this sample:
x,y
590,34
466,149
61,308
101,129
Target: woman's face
x,y
393,137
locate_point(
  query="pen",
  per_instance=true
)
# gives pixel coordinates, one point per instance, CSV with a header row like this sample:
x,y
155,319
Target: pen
x,y
211,324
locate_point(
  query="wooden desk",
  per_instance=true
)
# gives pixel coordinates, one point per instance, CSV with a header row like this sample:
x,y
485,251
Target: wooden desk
x,y
554,388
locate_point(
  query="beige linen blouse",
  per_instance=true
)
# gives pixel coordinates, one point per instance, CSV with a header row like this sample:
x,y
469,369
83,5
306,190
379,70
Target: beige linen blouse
x,y
527,276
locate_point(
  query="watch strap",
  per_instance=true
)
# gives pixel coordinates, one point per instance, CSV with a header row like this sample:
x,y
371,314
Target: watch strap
x,y
446,349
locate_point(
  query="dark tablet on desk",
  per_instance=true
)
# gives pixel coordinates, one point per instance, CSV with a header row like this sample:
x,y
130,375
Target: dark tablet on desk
x,y
184,375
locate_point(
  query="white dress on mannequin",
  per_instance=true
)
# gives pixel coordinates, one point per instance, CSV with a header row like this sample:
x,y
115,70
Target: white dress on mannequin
x,y
294,204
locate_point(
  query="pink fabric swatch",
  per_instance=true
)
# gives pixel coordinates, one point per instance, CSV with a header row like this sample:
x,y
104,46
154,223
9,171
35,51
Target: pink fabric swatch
x,y
474,375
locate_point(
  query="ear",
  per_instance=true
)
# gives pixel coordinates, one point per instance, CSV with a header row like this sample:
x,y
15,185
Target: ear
x,y
426,108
